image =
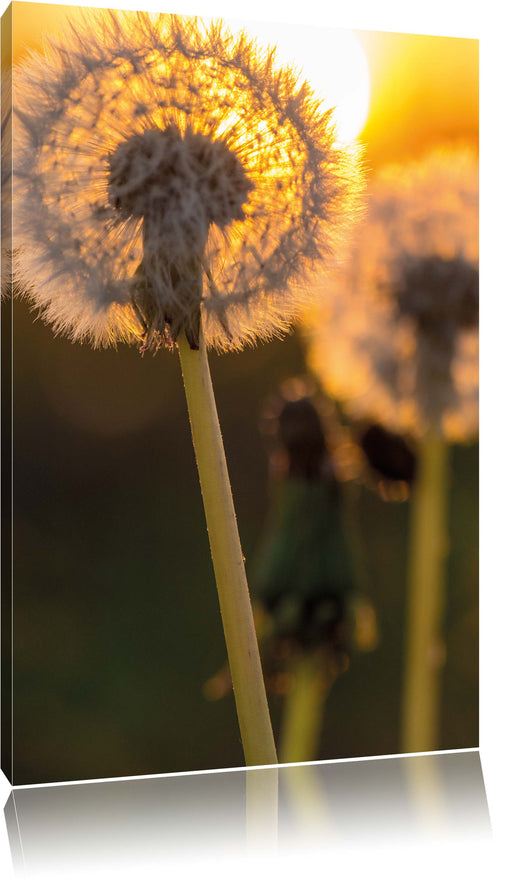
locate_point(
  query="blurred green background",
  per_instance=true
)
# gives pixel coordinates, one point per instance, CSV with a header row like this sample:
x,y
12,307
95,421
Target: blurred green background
x,y
116,619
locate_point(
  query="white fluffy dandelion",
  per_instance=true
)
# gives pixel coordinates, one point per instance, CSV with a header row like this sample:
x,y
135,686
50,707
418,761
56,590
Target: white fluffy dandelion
x,y
172,187
396,339
395,336
163,168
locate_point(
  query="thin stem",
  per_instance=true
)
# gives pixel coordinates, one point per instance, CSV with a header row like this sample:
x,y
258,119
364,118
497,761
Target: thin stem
x,y
428,547
308,800
426,786
303,711
228,561
262,809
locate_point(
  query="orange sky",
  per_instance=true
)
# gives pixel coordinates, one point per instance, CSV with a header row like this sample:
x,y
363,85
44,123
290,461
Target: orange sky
x,y
423,89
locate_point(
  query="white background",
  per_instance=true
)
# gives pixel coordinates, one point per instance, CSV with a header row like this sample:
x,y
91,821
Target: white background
x,y
487,22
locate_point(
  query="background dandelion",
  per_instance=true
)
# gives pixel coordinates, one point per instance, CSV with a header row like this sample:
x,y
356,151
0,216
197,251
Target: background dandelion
x,y
395,336
303,572
311,613
396,340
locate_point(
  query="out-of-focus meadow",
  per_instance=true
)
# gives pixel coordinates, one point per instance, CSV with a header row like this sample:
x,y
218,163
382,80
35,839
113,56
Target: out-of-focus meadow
x,y
116,620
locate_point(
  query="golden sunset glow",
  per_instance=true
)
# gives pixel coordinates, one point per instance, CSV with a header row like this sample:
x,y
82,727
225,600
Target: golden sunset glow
x,y
334,64
399,92
424,92
331,60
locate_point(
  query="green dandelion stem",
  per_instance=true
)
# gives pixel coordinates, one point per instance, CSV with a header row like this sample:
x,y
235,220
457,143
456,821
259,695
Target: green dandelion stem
x,y
428,548
303,712
228,561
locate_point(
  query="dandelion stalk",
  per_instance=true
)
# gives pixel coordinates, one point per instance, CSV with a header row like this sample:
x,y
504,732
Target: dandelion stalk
x,y
174,189
308,800
396,341
262,810
428,547
228,561
426,786
303,712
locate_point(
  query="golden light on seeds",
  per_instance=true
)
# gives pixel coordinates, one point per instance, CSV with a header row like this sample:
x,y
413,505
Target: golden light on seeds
x,y
332,61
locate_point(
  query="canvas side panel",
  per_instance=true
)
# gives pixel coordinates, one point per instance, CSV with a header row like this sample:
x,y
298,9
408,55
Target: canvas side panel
x,y
6,395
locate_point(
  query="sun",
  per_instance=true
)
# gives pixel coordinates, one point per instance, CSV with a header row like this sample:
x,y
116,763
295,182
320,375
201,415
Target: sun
x,y
332,60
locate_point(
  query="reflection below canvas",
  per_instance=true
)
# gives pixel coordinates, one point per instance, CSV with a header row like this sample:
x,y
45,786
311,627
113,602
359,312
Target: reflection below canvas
x,y
166,821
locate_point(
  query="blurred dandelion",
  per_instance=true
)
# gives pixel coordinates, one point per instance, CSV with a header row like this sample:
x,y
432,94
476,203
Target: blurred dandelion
x,y
390,458
396,340
173,188
395,335
308,571
306,575
303,576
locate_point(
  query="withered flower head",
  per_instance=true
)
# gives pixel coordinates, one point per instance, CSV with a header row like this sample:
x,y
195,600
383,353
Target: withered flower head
x,y
302,575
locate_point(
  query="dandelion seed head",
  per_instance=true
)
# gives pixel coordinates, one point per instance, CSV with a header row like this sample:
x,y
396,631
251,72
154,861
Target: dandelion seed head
x,y
165,169
165,180
395,337
456,279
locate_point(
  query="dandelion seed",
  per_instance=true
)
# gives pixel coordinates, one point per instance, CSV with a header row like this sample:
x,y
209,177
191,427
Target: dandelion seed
x,y
196,177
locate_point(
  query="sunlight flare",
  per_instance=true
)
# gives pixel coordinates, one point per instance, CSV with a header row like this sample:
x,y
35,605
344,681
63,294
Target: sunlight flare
x,y
334,64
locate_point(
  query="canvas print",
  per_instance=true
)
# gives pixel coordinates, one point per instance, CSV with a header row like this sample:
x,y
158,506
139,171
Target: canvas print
x,y
239,393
